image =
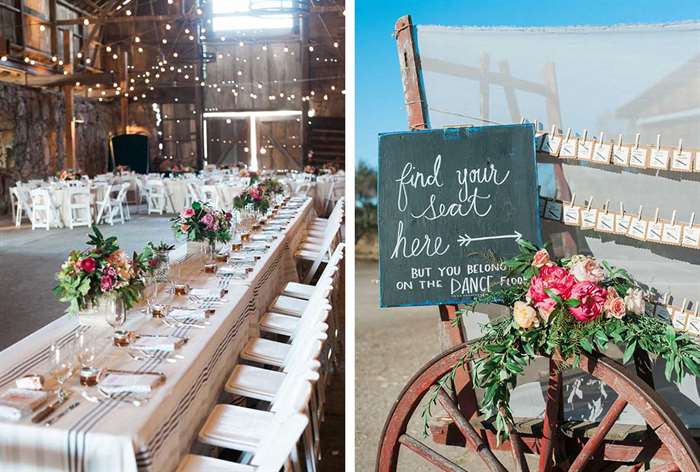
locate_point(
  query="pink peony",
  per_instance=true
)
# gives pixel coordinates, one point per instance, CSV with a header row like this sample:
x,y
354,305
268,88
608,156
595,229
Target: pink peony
x,y
592,299
207,220
552,277
587,269
541,258
524,315
88,264
187,213
106,283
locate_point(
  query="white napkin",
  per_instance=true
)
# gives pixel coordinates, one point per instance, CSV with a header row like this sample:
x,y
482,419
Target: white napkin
x,y
180,314
205,293
262,237
134,383
10,413
256,246
239,258
158,343
237,271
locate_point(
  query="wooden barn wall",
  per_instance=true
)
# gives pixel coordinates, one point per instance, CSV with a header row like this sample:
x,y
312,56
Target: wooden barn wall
x,y
239,70
179,136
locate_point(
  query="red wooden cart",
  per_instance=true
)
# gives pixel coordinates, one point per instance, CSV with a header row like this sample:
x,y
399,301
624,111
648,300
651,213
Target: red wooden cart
x,y
560,445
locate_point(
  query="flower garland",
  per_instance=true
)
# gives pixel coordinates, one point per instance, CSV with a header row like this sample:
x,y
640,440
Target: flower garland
x,y
200,222
69,174
101,270
562,310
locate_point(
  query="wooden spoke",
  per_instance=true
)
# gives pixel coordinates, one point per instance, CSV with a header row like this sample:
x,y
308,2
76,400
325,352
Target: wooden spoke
x,y
473,438
551,417
435,458
517,447
594,443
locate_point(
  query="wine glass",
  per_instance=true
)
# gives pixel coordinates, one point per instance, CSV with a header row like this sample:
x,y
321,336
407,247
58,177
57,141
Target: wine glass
x,y
86,353
116,317
61,366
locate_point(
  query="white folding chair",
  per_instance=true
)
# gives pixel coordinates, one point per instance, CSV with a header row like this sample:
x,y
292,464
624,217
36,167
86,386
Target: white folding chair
x,y
304,291
155,196
244,429
116,205
103,204
210,195
79,207
44,212
271,455
319,251
21,205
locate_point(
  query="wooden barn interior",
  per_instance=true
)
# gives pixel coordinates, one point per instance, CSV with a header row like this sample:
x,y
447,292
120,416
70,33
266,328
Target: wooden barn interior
x,y
259,82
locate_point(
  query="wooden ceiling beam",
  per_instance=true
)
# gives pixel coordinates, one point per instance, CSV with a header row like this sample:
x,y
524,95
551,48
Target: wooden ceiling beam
x,y
98,20
85,78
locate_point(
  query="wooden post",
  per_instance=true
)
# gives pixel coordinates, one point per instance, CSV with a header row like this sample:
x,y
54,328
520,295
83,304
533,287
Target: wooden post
x,y
68,89
124,83
304,127
484,87
52,27
410,74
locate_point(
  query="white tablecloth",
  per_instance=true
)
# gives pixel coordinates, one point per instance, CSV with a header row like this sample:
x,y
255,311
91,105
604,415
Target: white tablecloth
x,y
178,193
116,436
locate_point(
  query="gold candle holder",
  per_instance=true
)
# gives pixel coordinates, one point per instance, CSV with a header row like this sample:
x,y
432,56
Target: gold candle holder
x,y
88,376
158,310
245,236
122,338
180,289
221,257
210,267
236,247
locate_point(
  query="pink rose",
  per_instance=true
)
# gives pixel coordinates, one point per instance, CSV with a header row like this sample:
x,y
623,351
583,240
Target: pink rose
x,y
106,283
587,269
614,305
592,299
187,213
207,219
545,308
88,264
551,277
541,258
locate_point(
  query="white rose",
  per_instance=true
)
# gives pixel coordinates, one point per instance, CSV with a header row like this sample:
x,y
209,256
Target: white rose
x,y
634,301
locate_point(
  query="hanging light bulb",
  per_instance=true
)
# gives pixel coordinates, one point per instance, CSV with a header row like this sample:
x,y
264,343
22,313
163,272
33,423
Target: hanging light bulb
x,y
42,28
137,39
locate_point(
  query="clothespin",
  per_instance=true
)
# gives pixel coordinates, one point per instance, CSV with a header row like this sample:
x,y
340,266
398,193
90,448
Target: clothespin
x,y
639,216
602,135
590,201
658,142
680,145
622,209
553,131
636,141
695,305
573,199
585,134
656,216
537,125
568,134
605,208
619,140
665,299
673,217
692,219
685,302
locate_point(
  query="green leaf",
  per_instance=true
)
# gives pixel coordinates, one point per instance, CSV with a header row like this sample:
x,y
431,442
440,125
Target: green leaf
x,y
572,302
586,345
629,352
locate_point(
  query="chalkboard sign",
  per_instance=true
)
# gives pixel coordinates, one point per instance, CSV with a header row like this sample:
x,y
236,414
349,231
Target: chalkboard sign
x,y
452,203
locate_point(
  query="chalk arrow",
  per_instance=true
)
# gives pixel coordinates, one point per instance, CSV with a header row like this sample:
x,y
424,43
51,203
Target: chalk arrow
x,y
465,240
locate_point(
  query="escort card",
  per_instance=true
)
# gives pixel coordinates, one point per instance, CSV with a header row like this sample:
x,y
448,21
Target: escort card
x,y
553,144
572,215
621,156
589,218
671,234
622,224
638,228
691,237
654,231
568,149
682,161
606,222
638,157
584,150
602,152
553,210
659,159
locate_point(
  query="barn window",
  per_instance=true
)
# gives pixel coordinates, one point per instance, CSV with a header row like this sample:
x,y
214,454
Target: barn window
x,y
248,15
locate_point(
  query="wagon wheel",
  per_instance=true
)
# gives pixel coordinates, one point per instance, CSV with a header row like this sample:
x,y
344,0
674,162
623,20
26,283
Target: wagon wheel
x,y
668,441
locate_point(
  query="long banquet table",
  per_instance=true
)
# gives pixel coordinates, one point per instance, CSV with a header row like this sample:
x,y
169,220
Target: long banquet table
x,y
116,436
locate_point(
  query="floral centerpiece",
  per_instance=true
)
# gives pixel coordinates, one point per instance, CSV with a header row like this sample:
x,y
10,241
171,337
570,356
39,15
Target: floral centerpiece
x,y
69,174
271,187
254,195
563,309
103,270
200,222
155,258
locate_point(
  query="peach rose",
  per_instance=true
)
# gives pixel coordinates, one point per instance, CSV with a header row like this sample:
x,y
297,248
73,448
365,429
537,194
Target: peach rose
x,y
524,315
634,301
541,258
614,305
587,269
545,308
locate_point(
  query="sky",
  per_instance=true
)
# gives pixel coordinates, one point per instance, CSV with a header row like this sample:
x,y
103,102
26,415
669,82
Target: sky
x,y
379,99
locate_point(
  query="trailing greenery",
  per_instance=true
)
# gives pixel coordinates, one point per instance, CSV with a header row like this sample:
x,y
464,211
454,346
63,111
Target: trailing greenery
x,y
563,325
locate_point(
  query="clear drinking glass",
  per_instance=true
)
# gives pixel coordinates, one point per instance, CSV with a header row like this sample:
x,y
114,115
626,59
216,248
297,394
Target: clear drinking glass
x,y
62,366
116,317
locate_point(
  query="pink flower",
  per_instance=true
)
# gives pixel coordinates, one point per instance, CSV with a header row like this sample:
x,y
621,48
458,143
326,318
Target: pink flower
x,y
552,277
541,258
88,264
587,269
228,216
207,220
106,283
614,305
545,308
592,299
187,213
